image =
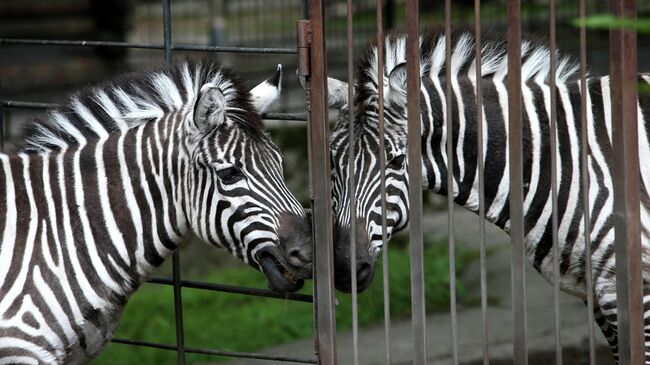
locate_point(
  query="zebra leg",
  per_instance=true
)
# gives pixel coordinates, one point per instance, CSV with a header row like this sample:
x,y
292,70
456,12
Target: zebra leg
x,y
607,330
606,318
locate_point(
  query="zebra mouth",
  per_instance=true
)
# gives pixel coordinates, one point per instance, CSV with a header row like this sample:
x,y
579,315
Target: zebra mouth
x,y
279,277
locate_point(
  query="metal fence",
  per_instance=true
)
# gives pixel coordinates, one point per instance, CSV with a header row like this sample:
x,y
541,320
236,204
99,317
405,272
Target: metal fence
x,y
626,186
312,60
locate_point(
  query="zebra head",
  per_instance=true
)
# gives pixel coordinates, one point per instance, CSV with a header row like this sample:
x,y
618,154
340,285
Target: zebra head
x,y
237,195
367,180
205,163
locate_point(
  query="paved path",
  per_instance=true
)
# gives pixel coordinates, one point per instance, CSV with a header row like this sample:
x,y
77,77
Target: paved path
x,y
539,296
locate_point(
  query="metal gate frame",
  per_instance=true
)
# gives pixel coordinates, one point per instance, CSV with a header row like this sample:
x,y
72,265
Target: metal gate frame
x,y
626,184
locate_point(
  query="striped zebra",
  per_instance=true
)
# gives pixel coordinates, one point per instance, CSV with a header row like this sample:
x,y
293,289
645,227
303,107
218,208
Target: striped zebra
x,y
537,181
109,184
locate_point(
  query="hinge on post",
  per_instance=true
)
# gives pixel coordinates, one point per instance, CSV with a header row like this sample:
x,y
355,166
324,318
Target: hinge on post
x,y
303,29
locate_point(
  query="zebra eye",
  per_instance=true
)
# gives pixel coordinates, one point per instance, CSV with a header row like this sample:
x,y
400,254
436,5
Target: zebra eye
x,y
396,162
230,175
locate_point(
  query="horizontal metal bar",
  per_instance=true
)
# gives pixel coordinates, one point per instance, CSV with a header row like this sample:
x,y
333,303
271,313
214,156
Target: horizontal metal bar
x,y
39,105
154,345
286,116
234,289
28,104
182,47
249,355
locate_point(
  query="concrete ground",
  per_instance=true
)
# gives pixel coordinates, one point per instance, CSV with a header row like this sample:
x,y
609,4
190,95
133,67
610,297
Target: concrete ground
x,y
540,316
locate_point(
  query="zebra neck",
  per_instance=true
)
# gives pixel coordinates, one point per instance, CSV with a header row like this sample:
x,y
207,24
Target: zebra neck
x,y
150,170
536,143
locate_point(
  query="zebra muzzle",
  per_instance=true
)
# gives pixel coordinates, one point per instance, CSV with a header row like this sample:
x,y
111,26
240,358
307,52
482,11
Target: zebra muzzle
x,y
278,276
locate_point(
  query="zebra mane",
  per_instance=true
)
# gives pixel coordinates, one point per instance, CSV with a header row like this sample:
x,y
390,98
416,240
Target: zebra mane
x,y
133,99
536,64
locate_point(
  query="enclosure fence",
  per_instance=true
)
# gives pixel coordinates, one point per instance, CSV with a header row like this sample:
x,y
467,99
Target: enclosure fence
x,y
312,62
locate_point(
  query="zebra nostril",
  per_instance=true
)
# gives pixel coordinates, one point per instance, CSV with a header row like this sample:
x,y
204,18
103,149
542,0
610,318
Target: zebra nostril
x,y
363,272
299,256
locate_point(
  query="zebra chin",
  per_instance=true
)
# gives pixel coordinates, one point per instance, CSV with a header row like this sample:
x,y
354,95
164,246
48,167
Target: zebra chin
x,y
279,274
288,264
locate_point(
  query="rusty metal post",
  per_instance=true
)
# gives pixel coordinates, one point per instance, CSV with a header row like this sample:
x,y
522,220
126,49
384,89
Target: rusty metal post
x,y
351,187
2,121
382,169
516,181
584,177
319,157
176,262
481,181
629,286
450,185
414,133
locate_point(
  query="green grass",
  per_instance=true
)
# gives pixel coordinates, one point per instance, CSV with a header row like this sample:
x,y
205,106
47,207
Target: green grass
x,y
243,323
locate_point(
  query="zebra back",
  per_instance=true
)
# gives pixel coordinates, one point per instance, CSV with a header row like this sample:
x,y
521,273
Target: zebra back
x,y
494,61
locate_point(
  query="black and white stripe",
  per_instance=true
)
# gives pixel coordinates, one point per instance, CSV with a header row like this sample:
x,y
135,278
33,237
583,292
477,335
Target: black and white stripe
x,y
536,133
107,187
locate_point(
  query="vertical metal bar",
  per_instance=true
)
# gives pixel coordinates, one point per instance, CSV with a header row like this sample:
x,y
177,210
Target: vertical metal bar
x,y
178,308
351,189
304,9
481,181
321,188
414,133
167,30
554,188
584,162
382,167
450,184
176,266
554,191
629,294
516,181
2,119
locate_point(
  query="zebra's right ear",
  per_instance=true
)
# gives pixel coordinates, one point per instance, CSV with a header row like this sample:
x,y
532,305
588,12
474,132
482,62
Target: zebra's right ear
x,y
337,91
396,92
210,107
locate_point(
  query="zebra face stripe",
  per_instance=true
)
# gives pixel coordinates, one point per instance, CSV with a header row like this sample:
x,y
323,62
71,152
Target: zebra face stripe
x,y
367,194
236,184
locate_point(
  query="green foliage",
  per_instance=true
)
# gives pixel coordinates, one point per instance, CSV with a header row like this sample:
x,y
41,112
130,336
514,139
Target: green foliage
x,y
644,89
244,323
609,21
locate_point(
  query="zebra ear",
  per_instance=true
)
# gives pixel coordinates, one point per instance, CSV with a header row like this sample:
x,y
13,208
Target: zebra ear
x,y
337,93
209,110
265,93
396,93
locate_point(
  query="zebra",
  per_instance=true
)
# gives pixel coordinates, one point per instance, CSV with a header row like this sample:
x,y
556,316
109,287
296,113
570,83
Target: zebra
x,y
537,184
104,189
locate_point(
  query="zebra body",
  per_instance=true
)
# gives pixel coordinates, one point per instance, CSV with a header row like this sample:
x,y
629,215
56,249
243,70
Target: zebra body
x,y
536,98
120,176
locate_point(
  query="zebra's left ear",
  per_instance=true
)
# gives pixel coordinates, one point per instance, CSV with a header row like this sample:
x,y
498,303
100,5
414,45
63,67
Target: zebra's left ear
x,y
265,93
209,110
